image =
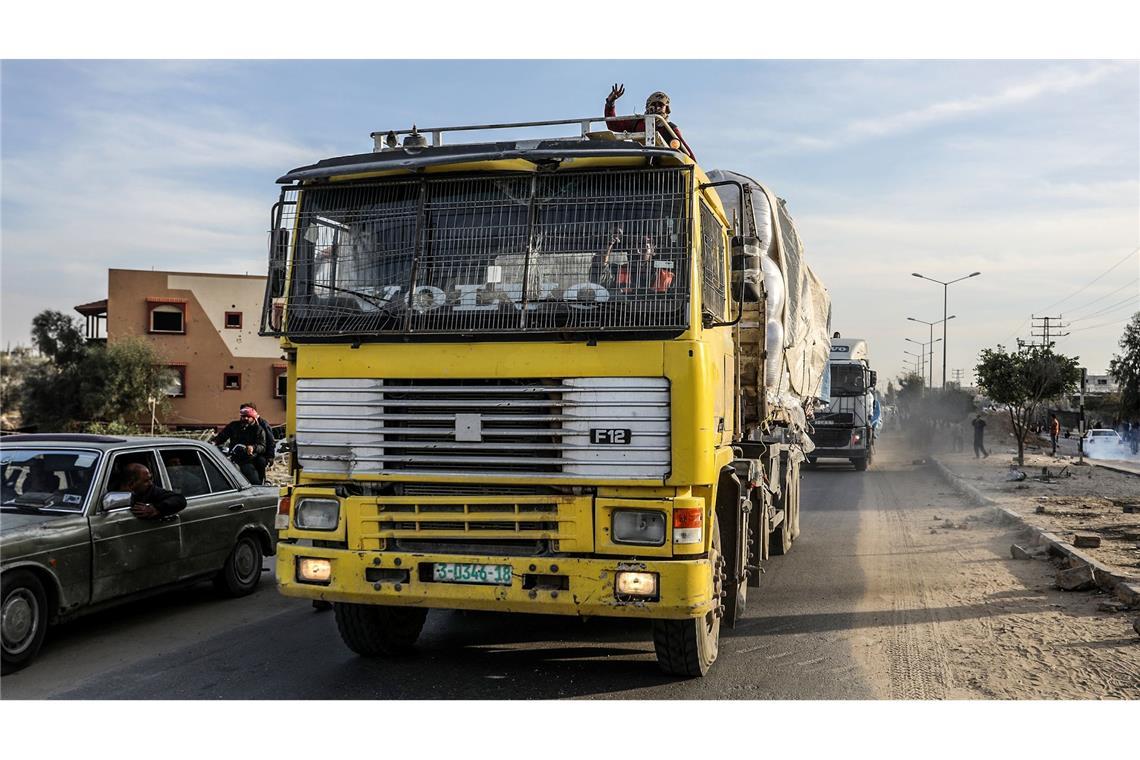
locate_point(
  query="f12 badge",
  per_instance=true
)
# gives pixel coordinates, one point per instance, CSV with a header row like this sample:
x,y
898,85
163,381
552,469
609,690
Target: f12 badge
x,y
611,436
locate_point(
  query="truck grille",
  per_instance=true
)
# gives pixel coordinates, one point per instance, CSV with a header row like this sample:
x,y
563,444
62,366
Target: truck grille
x,y
571,428
826,438
514,525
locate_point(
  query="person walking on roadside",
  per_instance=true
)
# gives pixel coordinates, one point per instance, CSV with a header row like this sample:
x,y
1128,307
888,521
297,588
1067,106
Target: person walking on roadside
x,y
1054,431
979,437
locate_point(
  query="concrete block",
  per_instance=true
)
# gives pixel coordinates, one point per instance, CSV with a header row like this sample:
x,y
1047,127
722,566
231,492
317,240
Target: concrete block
x,y
1129,593
1078,578
1018,552
1086,541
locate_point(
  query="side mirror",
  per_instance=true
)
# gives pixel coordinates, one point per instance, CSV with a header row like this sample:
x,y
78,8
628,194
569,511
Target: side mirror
x,y
874,378
116,500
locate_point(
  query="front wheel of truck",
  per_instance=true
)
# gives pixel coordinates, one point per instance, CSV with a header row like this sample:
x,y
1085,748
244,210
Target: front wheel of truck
x,y
377,631
689,647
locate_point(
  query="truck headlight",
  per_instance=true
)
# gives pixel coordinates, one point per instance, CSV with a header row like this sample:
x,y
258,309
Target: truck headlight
x,y
317,514
636,584
312,570
638,526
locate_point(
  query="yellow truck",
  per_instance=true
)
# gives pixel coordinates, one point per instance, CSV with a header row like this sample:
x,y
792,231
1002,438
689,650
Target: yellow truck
x,y
538,375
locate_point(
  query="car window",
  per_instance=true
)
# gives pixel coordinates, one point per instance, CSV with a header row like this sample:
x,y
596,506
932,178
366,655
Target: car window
x,y
218,481
46,478
187,476
117,480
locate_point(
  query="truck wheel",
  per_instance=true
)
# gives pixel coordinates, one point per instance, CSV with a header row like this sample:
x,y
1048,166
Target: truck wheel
x,y
780,540
860,464
242,571
375,631
795,503
689,647
23,619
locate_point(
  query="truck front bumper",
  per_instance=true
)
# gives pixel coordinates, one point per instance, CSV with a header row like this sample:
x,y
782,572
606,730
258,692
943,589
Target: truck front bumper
x,y
545,585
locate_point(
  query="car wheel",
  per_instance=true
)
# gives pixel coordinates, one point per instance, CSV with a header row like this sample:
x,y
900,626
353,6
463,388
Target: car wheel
x,y
23,619
242,571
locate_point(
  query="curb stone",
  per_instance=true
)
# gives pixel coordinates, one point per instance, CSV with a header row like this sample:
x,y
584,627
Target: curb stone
x,y
1125,587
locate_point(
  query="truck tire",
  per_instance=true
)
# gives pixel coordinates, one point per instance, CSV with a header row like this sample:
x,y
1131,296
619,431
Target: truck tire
x,y
780,540
860,464
689,647
795,502
377,631
24,605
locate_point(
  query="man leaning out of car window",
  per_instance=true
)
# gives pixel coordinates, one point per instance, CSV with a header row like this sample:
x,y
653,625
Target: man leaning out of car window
x,y
148,501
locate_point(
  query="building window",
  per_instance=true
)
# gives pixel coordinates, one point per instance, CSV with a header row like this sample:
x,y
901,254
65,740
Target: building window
x,y
280,384
167,318
233,320
177,386
232,381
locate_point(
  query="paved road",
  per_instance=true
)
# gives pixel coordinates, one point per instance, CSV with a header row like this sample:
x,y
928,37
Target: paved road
x,y
797,641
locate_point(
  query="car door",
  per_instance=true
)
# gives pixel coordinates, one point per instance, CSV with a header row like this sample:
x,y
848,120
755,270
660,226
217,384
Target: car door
x,y
130,554
214,505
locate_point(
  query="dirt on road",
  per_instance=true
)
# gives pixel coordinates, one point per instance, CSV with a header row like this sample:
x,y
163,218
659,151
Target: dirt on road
x,y
954,617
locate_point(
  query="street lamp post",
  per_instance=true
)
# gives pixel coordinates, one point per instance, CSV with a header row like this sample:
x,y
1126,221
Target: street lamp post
x,y
919,362
929,382
945,303
931,325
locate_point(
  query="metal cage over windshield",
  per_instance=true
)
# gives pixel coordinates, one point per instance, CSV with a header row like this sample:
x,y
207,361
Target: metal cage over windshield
x,y
508,253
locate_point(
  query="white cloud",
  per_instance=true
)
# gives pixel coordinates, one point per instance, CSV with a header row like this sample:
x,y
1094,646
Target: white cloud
x,y
186,190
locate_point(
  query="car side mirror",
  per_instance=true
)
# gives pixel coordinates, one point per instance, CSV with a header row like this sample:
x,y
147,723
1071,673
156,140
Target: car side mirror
x,y
116,500
874,378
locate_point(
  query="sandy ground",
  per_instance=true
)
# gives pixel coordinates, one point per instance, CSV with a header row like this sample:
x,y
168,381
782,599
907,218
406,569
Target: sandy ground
x,y
1072,499
957,618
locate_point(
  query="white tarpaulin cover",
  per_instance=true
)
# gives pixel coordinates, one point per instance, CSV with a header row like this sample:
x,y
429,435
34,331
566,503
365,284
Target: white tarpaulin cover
x,y
804,311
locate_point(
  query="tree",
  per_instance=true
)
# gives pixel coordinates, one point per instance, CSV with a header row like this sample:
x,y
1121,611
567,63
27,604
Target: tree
x,y
1023,380
15,366
84,382
1125,368
58,337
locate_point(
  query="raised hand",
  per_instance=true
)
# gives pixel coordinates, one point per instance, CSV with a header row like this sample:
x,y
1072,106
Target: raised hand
x,y
617,91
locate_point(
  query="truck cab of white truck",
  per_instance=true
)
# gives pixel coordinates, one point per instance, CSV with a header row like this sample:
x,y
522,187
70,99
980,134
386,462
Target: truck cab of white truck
x,y
846,428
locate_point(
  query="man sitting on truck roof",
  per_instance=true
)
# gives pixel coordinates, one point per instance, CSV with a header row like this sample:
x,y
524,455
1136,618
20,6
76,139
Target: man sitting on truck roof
x,y
657,103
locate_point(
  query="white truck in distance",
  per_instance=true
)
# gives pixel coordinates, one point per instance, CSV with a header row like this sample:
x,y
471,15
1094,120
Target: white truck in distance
x,y
846,428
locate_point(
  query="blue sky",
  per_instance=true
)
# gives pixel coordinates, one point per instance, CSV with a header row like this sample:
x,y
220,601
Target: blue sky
x,y
1026,170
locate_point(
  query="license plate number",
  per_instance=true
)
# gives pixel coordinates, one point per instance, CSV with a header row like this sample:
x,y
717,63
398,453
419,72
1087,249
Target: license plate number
x,y
459,572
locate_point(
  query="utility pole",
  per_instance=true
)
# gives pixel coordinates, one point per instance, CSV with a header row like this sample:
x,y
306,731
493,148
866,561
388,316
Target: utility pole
x,y
1081,421
1047,328
958,377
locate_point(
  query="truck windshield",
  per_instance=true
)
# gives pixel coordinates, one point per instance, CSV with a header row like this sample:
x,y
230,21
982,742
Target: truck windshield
x,y
847,380
530,253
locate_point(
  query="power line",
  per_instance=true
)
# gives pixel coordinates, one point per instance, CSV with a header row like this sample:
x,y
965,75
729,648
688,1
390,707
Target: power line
x,y
1097,279
1095,301
1116,322
1105,310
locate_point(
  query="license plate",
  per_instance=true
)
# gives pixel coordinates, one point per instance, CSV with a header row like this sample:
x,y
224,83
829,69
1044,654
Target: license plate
x,y
459,572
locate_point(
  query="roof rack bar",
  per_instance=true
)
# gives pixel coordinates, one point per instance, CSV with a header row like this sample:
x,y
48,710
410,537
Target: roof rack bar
x,y
649,134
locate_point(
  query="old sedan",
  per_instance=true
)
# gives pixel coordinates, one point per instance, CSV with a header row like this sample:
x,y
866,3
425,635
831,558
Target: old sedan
x,y
69,543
